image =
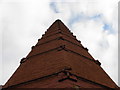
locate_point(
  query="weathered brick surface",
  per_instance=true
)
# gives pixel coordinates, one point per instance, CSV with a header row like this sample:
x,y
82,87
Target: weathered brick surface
x,y
78,49
88,69
38,64
45,47
52,82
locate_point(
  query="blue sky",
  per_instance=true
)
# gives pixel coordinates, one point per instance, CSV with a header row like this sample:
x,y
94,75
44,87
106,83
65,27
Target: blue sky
x,y
93,22
53,6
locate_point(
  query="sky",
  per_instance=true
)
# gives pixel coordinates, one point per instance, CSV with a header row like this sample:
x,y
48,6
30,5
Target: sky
x,y
93,22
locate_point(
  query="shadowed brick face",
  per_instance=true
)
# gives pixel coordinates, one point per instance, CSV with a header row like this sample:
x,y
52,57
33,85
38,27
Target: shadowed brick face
x,y
59,60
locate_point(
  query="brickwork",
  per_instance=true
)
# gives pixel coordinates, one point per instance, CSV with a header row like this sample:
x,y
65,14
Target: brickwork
x,y
56,50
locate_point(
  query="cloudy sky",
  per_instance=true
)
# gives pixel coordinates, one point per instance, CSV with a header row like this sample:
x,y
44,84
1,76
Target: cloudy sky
x,y
22,23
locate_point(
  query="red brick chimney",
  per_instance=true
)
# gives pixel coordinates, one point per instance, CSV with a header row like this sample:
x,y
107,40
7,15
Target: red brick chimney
x,y
59,60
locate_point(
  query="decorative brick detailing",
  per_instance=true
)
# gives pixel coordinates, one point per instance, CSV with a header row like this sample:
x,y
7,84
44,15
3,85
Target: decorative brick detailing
x,y
97,62
33,47
67,75
38,39
86,49
61,48
23,60
61,38
43,35
79,41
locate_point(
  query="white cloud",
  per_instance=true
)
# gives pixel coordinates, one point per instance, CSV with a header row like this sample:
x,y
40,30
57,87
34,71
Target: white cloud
x,y
23,22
